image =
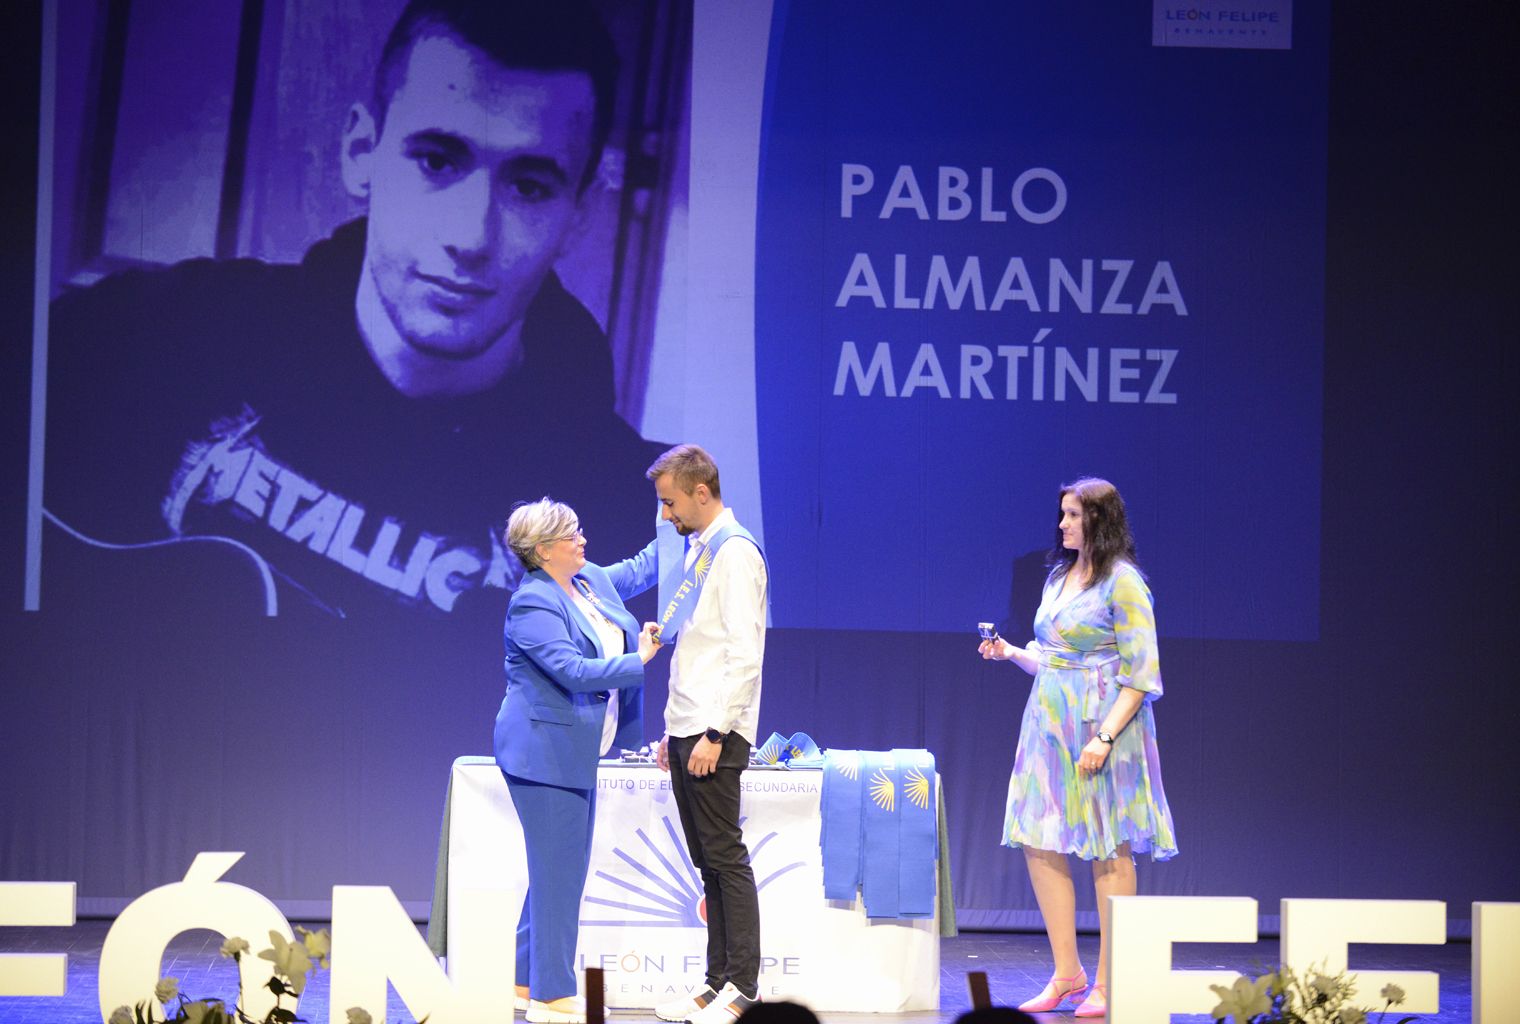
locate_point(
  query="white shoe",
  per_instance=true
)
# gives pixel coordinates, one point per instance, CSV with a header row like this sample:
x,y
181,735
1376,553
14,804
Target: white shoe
x,y
519,1004
682,1007
725,1009
543,1013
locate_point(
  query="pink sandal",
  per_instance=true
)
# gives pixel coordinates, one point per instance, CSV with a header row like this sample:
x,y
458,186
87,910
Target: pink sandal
x,y
1094,1007
1057,991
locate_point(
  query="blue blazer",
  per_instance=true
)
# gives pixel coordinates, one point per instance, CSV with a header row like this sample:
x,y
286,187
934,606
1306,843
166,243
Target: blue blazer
x,y
549,728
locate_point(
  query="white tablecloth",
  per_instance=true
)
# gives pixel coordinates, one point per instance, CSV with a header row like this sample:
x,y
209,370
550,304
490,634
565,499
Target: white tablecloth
x,y
642,912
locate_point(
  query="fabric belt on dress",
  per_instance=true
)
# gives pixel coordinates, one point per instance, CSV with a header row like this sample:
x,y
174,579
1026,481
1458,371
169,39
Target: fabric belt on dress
x,y
1095,678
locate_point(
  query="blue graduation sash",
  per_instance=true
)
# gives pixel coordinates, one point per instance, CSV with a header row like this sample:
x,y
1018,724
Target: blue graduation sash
x,y
880,853
685,594
880,831
918,841
840,834
670,552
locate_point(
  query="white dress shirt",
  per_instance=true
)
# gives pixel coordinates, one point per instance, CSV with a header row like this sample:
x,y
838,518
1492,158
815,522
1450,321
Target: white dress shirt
x,y
715,669
613,644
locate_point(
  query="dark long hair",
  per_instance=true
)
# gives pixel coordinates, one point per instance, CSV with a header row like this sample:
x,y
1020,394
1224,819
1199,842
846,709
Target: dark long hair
x,y
1105,529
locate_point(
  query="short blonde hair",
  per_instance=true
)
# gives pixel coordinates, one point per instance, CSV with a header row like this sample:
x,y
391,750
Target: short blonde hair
x,y
538,522
688,465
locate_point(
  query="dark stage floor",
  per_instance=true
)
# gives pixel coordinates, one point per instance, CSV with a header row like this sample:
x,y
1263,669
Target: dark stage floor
x,y
1016,965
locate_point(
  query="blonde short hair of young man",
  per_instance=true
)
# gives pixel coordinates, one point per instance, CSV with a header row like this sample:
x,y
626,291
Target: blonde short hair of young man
x,y
688,465
538,522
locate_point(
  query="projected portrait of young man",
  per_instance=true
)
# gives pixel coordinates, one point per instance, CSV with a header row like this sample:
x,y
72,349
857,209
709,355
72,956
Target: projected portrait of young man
x,y
346,429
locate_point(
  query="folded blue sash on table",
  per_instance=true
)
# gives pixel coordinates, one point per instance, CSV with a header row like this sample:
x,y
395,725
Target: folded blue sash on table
x,y
797,750
879,833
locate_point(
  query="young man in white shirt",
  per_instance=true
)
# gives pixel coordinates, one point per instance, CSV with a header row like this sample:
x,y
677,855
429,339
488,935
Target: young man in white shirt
x,y
711,720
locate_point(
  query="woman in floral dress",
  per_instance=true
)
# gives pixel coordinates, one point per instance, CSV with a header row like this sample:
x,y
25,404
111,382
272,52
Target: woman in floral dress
x,y
1087,777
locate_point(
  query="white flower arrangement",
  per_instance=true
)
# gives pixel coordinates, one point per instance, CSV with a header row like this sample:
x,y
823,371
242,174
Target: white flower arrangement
x,y
293,962
1284,996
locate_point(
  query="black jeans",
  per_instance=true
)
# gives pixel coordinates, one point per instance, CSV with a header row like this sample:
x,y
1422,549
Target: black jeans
x,y
709,810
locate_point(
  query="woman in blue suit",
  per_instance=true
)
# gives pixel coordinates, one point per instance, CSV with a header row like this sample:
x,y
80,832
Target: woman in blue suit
x,y
575,666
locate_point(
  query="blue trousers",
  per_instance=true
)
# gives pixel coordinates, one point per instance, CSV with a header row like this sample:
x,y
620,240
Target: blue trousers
x,y
556,824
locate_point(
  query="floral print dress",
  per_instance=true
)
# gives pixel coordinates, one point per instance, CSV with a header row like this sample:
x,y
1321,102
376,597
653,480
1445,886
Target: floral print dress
x,y
1099,641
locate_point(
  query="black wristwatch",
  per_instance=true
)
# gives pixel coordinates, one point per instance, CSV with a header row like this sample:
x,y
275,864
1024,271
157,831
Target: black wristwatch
x,y
714,736
1105,737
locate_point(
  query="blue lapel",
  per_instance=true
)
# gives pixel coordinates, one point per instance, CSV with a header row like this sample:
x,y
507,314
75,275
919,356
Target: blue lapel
x,y
547,582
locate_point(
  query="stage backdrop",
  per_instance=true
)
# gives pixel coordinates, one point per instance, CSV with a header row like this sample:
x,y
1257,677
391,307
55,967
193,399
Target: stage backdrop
x,y
903,269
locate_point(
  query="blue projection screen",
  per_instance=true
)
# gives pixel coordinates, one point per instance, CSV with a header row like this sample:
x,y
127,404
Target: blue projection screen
x,y
904,269
1002,246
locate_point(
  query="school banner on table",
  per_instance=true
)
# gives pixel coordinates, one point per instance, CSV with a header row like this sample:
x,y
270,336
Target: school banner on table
x,y
643,915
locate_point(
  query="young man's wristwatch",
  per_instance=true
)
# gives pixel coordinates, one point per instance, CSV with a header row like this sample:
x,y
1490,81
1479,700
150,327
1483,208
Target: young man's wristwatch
x,y
714,736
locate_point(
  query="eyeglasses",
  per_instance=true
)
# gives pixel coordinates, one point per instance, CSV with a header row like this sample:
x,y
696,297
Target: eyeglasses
x,y
577,535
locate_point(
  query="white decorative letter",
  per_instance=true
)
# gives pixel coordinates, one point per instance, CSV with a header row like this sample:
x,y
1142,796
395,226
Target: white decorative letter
x,y
35,904
1142,987
1495,951
374,942
134,947
1315,934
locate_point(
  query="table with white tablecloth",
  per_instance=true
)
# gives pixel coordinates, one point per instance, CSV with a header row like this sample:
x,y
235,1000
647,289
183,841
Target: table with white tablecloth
x,y
642,914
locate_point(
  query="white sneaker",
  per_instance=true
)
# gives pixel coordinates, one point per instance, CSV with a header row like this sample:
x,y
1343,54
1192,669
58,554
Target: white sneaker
x,y
725,1009
543,1013
682,1007
519,1003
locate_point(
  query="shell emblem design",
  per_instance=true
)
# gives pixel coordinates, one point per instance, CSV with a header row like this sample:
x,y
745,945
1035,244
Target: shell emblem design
x,y
704,565
849,765
917,789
